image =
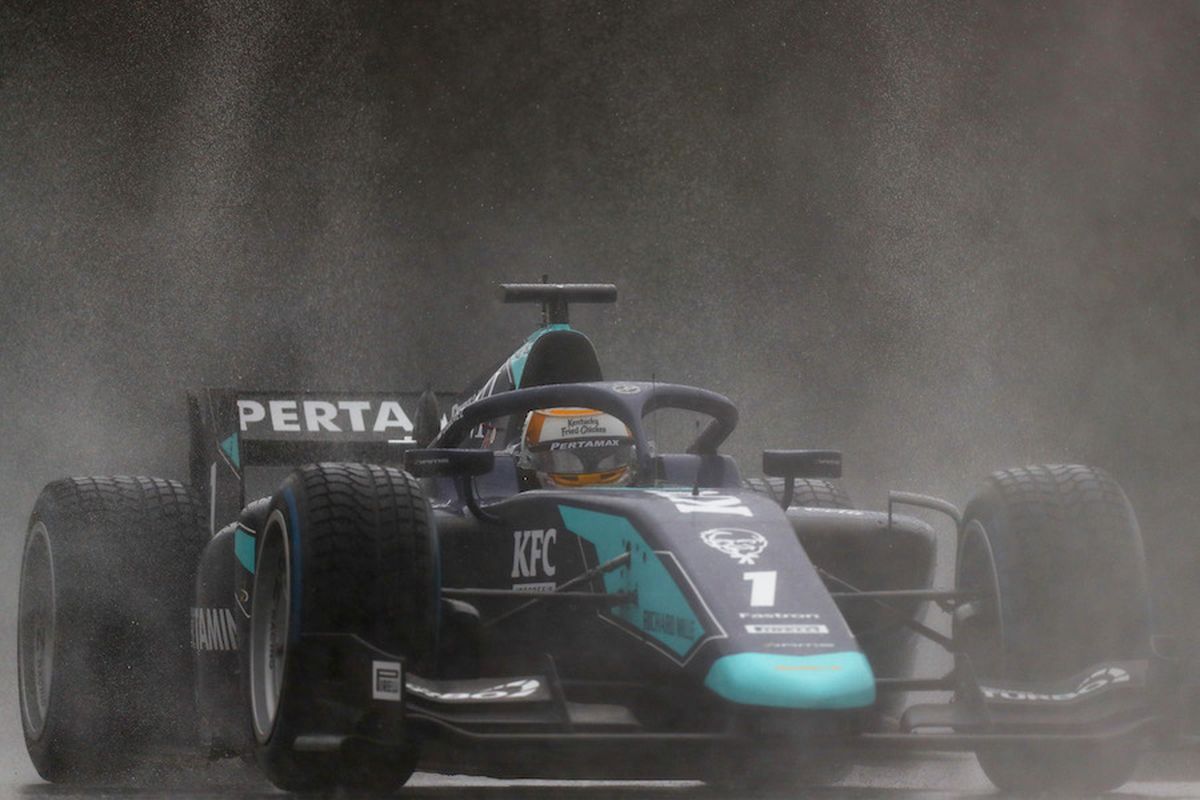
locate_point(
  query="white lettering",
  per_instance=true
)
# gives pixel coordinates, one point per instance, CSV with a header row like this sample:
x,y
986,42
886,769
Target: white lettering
x,y
550,538
512,690
250,411
707,502
202,640
213,629
216,629
231,627
762,588
807,630
284,416
1101,679
391,415
520,565
531,553
319,415
355,409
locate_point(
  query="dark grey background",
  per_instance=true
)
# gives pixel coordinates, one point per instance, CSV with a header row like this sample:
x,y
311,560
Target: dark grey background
x,y
945,238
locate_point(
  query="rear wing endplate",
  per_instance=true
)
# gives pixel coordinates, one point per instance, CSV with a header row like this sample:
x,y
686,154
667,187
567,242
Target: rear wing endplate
x,y
235,429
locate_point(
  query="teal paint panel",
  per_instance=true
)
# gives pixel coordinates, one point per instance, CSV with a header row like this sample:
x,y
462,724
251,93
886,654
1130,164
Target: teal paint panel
x,y
822,681
243,548
230,446
662,611
516,363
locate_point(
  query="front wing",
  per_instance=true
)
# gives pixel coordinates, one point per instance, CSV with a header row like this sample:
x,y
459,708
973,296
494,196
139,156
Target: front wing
x,y
370,694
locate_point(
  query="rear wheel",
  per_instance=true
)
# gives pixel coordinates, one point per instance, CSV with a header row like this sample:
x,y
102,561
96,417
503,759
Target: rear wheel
x,y
104,659
346,549
809,492
1055,554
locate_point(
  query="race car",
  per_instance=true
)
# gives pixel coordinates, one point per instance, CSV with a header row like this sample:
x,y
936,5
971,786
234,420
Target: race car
x,y
535,583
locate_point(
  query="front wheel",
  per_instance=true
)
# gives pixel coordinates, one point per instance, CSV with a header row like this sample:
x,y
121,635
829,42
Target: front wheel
x,y
1055,556
346,549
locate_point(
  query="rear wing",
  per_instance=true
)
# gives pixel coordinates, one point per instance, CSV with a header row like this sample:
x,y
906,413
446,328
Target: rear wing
x,y
233,430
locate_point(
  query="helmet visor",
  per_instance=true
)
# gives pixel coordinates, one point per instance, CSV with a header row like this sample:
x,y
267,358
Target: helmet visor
x,y
582,456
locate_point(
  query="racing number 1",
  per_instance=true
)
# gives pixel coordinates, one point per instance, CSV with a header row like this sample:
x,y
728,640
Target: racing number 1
x,y
762,588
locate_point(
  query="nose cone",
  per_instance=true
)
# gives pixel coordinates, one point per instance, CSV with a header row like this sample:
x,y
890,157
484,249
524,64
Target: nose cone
x,y
824,681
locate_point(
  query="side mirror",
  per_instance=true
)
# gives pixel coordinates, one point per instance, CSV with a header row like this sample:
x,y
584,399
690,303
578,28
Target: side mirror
x,y
435,462
792,464
802,463
448,463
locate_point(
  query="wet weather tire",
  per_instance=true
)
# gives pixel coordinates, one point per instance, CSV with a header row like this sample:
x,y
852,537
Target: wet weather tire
x,y
1056,554
105,666
809,492
346,549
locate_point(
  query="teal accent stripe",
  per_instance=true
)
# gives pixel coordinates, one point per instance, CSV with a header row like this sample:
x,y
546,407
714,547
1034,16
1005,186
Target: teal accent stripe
x,y
230,446
243,548
662,611
516,363
823,681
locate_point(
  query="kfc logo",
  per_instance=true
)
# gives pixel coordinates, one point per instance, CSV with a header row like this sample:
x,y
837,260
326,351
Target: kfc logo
x,y
743,546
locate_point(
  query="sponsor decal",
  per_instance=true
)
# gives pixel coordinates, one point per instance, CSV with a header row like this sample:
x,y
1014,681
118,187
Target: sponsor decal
x,y
214,629
742,545
387,681
707,502
660,584
669,624
280,419
531,553
584,426
626,388
776,615
762,588
535,587
243,602
798,645
1100,679
790,629
578,443
512,690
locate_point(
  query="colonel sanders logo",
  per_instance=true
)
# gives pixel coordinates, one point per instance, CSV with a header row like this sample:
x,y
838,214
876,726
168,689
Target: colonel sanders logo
x,y
741,545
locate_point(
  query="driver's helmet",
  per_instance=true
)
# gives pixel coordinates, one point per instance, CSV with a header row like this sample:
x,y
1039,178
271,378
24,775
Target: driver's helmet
x,y
576,447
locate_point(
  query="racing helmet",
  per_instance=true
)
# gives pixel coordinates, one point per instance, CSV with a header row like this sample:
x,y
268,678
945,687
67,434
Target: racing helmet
x,y
575,447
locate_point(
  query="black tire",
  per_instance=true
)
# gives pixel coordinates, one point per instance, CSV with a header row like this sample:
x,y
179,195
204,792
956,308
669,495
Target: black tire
x,y
104,656
1057,555
352,549
809,492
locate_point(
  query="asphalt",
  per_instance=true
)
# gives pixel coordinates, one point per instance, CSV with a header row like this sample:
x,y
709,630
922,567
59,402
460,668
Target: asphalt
x,y
935,778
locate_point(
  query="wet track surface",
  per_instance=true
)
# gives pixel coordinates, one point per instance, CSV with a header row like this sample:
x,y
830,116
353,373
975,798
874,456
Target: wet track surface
x,y
939,778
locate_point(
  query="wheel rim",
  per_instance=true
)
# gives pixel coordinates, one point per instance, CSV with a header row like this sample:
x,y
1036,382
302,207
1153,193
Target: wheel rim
x,y
36,630
980,635
270,611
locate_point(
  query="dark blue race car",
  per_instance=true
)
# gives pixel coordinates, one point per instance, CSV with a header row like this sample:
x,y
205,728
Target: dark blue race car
x,y
562,576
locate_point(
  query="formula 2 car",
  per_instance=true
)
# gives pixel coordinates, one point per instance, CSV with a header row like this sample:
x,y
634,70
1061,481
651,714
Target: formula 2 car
x,y
407,599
